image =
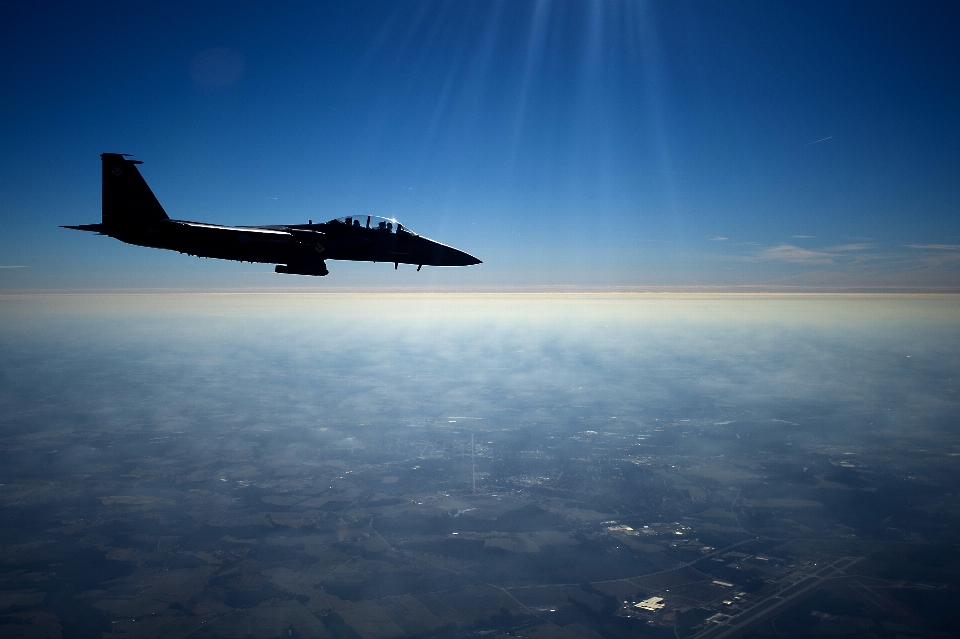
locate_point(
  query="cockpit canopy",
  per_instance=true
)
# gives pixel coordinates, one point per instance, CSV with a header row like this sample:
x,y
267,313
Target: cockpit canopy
x,y
384,224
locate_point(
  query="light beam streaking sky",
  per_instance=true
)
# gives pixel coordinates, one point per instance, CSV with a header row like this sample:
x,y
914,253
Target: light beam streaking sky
x,y
586,144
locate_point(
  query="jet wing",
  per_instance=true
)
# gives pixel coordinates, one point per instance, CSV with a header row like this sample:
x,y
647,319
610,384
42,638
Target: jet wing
x,y
236,229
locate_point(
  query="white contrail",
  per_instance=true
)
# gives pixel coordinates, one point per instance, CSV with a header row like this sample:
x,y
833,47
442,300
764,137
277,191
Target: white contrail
x,y
816,141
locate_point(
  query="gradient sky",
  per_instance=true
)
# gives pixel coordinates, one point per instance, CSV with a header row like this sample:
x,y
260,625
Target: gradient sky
x,y
581,143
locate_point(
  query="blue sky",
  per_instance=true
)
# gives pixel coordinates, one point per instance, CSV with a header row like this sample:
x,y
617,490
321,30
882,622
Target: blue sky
x,y
587,144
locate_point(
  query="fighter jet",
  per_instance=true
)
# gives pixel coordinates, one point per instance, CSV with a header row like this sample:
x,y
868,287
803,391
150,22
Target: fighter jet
x,y
132,214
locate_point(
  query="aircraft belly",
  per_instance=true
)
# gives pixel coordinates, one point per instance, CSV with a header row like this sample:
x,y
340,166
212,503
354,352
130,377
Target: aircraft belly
x,y
224,244
230,244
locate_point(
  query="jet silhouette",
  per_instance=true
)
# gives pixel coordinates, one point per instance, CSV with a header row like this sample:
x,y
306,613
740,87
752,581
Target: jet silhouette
x,y
132,214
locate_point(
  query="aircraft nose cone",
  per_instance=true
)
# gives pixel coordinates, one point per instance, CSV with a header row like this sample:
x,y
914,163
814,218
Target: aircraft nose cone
x,y
436,254
454,257
449,256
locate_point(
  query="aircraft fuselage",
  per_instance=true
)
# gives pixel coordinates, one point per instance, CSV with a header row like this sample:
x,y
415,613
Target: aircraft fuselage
x,y
132,214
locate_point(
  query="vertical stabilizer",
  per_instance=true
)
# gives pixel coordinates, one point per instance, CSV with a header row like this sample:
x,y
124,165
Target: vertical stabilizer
x,y
127,200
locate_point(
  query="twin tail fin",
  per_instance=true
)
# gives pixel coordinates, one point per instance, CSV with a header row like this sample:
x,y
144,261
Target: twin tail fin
x,y
127,200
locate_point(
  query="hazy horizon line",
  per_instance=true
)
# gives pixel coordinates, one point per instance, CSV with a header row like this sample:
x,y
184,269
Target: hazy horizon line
x,y
749,289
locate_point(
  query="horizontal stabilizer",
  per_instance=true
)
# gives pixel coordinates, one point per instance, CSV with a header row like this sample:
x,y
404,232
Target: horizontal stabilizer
x,y
93,228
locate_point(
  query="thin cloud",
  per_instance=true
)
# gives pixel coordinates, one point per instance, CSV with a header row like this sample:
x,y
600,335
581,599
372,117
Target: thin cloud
x,y
851,247
860,258
794,255
803,237
719,238
11,266
935,247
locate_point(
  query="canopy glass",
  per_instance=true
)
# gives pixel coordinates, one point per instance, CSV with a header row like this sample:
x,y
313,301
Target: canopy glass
x,y
385,224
